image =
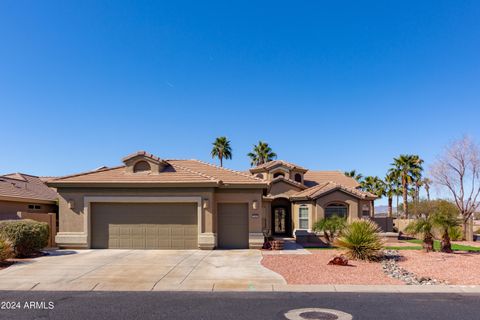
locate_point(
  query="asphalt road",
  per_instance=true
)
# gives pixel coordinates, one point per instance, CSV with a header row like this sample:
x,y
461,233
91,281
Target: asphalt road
x,y
246,305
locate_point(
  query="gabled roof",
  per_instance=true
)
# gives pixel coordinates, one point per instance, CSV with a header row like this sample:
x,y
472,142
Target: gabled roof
x,y
143,154
330,186
175,172
314,178
289,181
277,163
23,186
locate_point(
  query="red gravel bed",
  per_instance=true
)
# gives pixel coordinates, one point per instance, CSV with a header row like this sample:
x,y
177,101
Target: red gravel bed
x,y
457,268
313,269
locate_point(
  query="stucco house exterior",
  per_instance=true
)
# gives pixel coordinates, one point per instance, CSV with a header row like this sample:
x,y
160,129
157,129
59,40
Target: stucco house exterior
x,y
152,203
20,192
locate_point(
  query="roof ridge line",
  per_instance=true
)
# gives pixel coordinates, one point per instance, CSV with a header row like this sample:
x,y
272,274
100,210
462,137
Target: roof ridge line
x,y
84,173
230,170
198,173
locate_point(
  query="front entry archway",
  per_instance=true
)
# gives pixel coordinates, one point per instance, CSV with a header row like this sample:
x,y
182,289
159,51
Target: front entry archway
x,y
281,218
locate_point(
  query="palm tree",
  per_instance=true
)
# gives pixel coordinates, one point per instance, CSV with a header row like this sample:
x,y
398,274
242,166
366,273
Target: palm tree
x,y
407,167
445,219
353,174
262,153
374,185
391,190
426,184
423,225
221,149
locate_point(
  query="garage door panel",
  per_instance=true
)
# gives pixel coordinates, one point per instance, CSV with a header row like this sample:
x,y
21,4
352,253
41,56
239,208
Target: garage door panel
x,y
233,225
144,226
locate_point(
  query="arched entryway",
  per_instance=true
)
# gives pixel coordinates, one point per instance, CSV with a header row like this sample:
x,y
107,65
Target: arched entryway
x,y
281,218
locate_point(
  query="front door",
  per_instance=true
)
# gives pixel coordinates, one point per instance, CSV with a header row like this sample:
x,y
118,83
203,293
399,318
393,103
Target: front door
x,y
281,223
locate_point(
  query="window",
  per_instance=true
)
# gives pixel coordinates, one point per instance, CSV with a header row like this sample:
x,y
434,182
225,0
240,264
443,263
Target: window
x,y
259,175
338,209
278,174
141,166
34,207
298,177
303,217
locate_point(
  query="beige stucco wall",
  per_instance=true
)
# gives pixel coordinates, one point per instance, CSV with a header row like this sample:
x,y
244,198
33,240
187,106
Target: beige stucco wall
x,y
283,188
72,220
9,209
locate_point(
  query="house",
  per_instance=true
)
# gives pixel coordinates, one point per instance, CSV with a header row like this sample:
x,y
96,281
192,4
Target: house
x,y
20,192
153,203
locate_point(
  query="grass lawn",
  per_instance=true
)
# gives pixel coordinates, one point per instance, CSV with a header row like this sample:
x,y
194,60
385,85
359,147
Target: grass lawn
x,y
455,247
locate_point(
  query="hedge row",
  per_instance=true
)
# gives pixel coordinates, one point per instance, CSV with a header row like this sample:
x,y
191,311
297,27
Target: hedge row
x,y
24,236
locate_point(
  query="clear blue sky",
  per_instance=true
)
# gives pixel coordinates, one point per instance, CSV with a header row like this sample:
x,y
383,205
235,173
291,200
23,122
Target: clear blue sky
x,y
329,84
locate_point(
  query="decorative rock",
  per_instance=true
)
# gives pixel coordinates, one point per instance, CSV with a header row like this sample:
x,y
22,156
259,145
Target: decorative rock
x,y
339,261
391,268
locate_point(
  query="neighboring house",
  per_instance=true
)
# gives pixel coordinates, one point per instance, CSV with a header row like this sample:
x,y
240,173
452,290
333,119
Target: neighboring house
x,y
151,203
25,193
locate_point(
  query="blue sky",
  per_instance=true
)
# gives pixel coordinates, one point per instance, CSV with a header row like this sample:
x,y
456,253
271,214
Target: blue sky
x,y
329,84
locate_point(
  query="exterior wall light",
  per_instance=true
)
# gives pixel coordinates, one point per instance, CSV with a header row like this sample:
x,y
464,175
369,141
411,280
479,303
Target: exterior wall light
x,y
205,203
71,204
255,205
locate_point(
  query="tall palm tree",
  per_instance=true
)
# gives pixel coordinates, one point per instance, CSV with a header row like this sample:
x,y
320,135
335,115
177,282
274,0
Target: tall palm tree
x,y
373,185
353,174
426,184
262,153
221,149
391,190
407,167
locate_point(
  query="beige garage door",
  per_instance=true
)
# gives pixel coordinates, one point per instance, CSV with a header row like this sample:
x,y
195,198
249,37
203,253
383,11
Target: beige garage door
x,y
144,226
233,225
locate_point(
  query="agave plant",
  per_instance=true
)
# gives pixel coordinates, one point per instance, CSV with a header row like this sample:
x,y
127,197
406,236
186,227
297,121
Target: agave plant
x,y
361,240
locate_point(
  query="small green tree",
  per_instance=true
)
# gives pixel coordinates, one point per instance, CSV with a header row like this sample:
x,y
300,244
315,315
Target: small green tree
x,y
330,227
422,226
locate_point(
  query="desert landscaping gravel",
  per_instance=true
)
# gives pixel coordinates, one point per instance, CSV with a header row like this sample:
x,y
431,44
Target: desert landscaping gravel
x,y
313,269
459,268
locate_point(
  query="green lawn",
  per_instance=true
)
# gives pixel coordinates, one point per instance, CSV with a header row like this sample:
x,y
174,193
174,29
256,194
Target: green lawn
x,y
455,247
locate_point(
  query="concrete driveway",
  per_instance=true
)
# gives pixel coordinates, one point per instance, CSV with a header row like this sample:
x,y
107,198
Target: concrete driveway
x,y
142,270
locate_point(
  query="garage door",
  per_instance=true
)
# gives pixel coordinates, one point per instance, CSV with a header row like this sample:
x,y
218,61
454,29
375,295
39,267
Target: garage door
x,y
144,226
233,225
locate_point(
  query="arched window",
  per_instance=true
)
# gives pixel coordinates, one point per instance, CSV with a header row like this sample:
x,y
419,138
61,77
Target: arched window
x,y
298,177
338,209
141,166
278,174
259,176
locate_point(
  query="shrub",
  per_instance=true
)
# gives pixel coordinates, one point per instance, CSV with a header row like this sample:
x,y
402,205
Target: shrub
x,y
330,226
25,236
361,239
6,250
455,233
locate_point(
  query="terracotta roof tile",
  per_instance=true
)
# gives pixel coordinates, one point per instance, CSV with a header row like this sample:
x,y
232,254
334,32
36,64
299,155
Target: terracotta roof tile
x,y
318,190
313,178
20,185
188,171
274,163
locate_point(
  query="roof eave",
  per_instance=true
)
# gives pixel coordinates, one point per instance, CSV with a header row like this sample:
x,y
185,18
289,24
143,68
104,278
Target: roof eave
x,y
27,199
122,184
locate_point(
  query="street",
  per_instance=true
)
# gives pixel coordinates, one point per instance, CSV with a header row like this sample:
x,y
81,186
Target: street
x,y
230,305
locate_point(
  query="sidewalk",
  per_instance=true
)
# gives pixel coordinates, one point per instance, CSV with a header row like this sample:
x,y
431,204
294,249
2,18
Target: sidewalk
x,y
248,286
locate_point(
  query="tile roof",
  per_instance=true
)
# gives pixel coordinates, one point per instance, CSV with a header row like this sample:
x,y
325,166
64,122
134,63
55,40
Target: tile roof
x,y
178,171
271,164
290,181
313,178
325,187
20,185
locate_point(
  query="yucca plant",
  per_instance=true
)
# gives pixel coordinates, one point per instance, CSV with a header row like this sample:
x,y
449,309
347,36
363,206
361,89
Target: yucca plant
x,y
361,240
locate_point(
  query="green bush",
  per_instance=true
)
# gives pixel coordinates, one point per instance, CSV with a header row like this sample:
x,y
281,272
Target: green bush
x,y
361,239
6,250
25,236
455,233
330,227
